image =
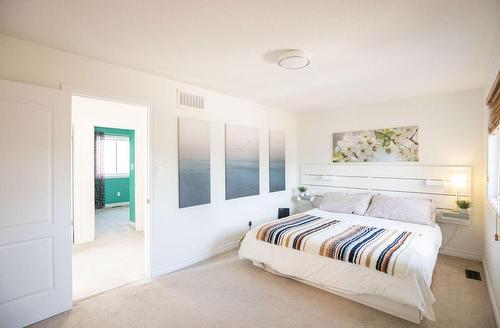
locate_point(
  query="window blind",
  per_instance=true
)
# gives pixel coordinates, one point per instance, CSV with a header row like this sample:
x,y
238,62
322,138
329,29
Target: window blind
x,y
493,103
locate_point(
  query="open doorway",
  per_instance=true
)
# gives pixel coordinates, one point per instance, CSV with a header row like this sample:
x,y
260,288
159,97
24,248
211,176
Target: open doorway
x,y
109,194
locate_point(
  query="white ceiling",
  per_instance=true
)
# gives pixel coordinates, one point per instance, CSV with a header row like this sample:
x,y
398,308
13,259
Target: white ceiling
x,y
362,51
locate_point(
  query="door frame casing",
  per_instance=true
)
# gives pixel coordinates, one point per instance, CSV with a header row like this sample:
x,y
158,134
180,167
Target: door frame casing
x,y
143,222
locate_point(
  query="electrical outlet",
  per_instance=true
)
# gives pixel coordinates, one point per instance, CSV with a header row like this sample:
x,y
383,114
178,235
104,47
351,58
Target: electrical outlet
x,y
118,194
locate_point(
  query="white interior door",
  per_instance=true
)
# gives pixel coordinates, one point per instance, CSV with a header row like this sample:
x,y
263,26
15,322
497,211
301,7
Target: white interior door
x,y
35,188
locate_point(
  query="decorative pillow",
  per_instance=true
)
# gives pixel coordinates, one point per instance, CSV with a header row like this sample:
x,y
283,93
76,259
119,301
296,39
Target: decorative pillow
x,y
405,209
356,203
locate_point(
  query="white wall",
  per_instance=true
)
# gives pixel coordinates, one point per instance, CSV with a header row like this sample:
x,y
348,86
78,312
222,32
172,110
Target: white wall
x,y
179,236
491,256
451,130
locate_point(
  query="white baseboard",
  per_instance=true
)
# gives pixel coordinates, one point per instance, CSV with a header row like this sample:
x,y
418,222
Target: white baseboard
x,y
116,204
490,293
187,262
460,253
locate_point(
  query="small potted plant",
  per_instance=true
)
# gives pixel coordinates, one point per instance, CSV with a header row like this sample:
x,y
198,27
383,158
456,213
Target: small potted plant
x,y
464,206
302,191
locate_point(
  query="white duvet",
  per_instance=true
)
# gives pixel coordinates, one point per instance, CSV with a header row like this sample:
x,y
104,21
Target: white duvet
x,y
413,290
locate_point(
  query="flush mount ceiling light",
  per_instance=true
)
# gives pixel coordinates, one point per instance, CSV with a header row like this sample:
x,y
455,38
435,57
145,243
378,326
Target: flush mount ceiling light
x,y
294,59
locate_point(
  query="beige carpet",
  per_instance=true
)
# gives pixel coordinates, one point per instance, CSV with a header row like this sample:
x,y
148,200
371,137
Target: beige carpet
x,y
114,259
227,292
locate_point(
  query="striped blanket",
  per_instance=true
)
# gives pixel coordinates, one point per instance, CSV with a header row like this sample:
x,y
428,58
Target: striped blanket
x,y
384,250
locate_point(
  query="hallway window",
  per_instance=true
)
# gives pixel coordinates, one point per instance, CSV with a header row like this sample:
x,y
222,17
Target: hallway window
x,y
116,156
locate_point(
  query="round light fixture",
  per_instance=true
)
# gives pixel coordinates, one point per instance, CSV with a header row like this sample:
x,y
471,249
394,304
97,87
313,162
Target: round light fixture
x,y
294,59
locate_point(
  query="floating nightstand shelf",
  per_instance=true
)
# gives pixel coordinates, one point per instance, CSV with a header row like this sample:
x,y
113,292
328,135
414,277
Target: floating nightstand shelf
x,y
451,217
310,198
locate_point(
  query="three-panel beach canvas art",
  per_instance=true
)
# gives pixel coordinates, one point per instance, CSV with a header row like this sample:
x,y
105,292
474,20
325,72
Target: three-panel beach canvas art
x,y
242,162
277,174
194,162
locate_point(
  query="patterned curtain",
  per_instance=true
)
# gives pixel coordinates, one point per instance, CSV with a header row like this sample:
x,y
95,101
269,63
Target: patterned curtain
x,y
99,169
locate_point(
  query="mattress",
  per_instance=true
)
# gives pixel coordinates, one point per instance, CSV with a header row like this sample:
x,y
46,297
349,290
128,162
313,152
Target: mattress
x,y
347,278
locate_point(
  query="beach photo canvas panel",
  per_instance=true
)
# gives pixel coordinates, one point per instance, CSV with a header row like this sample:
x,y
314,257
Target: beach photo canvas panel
x,y
277,172
379,145
194,162
242,161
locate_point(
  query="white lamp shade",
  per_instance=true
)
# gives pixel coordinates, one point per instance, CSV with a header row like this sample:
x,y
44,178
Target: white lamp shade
x,y
458,182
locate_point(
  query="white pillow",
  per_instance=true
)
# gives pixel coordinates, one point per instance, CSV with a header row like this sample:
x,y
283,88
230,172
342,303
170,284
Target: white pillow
x,y
405,209
356,203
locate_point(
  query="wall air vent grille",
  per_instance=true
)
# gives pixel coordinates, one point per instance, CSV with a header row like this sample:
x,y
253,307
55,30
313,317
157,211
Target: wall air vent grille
x,y
190,101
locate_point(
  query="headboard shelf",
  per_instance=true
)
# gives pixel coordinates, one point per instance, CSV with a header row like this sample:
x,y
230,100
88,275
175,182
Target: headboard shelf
x,y
462,196
372,177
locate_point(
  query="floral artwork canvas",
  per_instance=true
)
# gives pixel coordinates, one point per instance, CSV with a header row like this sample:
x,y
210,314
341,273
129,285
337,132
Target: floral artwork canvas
x,y
381,145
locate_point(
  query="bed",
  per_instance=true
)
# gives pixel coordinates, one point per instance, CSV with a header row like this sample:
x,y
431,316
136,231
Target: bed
x,y
408,294
412,294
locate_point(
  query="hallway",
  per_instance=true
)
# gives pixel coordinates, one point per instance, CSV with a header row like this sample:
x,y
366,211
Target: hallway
x,y
114,259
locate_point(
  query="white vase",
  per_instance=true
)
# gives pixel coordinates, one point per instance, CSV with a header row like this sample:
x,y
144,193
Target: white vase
x,y
464,211
303,194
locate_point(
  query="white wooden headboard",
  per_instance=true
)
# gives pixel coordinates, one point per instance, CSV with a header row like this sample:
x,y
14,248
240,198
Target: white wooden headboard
x,y
439,183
